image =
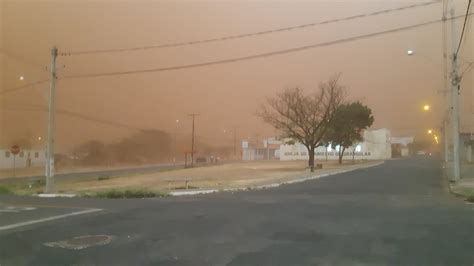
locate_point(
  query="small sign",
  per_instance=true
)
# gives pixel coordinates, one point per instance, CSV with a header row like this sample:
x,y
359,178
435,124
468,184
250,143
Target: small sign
x,y
15,149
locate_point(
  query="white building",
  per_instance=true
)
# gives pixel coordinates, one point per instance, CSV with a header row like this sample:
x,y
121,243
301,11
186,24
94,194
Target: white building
x,y
268,149
400,146
376,146
25,158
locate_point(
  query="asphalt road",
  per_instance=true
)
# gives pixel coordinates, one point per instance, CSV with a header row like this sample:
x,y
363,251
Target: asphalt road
x,y
398,213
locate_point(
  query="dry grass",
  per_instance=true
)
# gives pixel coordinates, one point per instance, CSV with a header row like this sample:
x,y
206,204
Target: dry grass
x,y
234,175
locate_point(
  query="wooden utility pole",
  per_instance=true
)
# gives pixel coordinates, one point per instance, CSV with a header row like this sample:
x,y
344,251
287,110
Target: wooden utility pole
x,y
235,141
192,140
49,188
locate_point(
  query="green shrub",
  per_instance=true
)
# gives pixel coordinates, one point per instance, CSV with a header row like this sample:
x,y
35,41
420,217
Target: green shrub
x,y
35,184
127,194
100,178
470,198
5,190
184,187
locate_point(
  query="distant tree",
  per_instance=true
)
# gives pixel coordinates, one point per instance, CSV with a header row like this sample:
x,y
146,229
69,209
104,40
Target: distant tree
x,y
304,117
24,143
347,125
92,152
143,147
326,144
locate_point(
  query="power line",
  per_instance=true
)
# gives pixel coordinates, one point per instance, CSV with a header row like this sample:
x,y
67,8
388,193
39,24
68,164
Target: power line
x,y
263,55
246,35
31,84
35,107
469,66
463,28
23,60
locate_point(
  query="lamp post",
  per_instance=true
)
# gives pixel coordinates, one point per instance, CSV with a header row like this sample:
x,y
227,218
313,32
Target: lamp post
x,y
427,108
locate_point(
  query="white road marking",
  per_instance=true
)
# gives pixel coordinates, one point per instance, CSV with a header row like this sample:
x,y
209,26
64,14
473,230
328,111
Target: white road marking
x,y
16,209
11,226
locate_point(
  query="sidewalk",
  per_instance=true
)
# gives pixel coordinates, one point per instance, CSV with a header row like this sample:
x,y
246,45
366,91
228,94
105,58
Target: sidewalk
x,y
464,187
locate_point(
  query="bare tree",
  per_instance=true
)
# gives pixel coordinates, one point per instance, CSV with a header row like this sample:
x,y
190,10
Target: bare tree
x,y
304,117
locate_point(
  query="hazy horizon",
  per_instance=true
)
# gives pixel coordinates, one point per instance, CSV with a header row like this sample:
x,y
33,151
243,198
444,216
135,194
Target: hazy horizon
x,y
376,70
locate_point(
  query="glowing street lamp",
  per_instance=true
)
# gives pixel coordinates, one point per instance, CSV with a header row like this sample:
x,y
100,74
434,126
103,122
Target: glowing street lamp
x,y
21,78
410,52
430,131
426,107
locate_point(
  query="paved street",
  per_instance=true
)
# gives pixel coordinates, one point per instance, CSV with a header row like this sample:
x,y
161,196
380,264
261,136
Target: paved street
x,y
398,213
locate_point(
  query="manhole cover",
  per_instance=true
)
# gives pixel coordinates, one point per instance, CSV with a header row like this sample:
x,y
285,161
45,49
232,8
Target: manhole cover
x,y
82,242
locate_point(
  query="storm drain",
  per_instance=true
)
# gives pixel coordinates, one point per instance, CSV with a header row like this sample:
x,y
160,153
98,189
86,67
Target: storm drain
x,y
82,242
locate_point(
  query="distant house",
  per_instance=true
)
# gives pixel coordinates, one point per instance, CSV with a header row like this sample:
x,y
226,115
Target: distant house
x,y
376,146
268,149
400,146
26,158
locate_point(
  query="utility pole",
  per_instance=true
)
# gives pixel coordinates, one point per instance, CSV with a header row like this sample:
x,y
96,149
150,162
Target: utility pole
x,y
446,83
175,142
49,188
455,98
192,141
235,142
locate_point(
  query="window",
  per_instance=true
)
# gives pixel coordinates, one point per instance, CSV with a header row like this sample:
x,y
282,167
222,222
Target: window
x,y
7,154
329,148
304,153
36,154
358,148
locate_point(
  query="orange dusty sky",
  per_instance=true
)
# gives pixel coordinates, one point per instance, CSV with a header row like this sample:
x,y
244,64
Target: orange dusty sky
x,y
376,70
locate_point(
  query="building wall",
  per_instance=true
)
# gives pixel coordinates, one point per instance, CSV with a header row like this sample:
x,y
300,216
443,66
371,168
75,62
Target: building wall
x,y
26,158
376,146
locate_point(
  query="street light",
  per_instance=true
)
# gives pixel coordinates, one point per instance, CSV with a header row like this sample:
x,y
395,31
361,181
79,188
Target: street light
x,y
21,78
430,131
410,52
426,107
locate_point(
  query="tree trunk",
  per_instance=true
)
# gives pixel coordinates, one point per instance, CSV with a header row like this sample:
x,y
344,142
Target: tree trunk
x,y
311,159
341,154
353,155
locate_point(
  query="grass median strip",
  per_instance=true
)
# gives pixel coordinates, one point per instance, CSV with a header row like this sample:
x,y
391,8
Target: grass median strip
x,y
5,190
125,194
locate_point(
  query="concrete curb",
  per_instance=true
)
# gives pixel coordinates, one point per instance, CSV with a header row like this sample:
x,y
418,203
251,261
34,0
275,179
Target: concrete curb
x,y
56,195
272,185
192,192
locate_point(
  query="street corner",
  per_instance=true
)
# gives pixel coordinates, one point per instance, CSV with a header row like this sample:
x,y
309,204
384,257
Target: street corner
x,y
18,216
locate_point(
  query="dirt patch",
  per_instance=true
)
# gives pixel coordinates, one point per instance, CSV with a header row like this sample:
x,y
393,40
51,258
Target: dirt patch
x,y
233,175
